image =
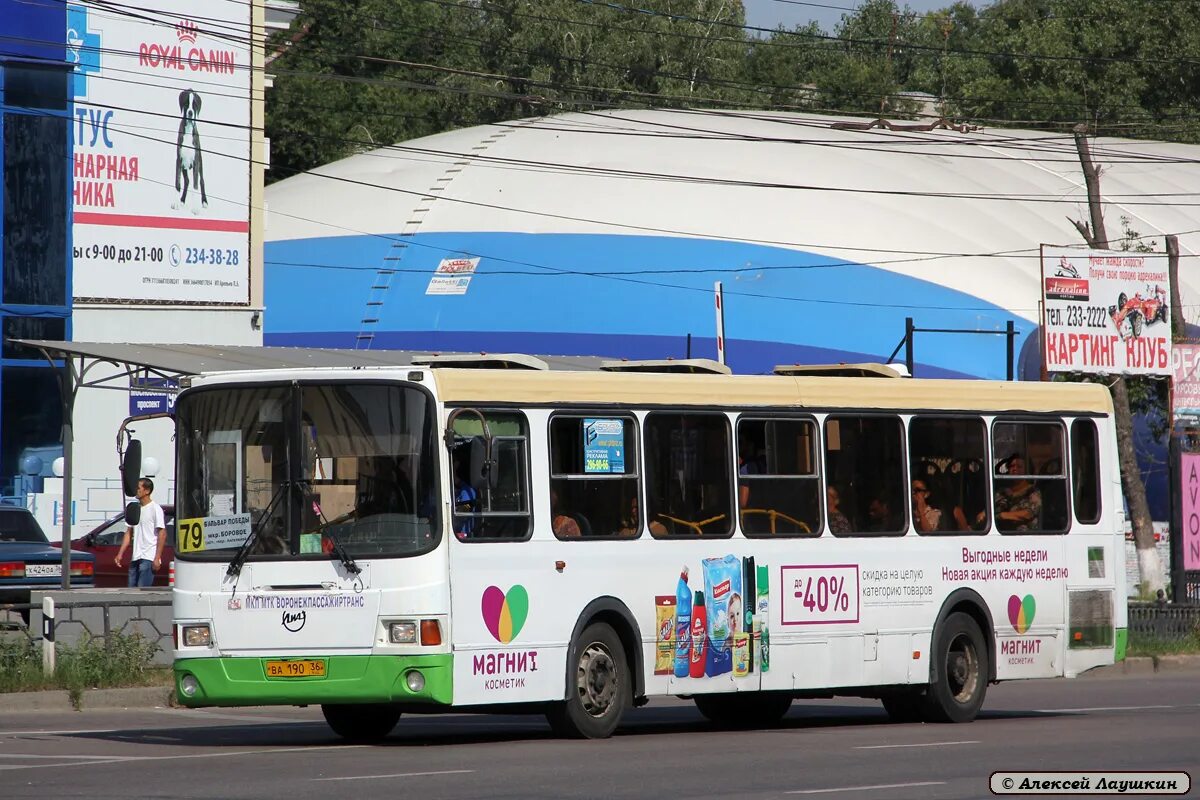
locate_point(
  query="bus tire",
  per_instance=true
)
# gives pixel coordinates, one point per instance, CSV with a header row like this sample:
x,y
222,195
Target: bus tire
x,y
961,659
599,688
904,706
363,723
744,709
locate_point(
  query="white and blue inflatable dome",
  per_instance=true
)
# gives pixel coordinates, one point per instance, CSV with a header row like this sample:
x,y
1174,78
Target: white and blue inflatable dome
x,y
603,234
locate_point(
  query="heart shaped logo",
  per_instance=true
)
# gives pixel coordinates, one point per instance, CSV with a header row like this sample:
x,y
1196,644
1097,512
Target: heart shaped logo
x,y
1021,611
505,614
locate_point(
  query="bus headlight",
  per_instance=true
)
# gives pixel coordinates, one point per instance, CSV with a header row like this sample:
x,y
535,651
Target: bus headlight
x,y
402,632
196,636
415,681
189,685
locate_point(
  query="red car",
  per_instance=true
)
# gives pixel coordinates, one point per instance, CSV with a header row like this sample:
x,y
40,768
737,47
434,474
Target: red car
x,y
104,541
1139,310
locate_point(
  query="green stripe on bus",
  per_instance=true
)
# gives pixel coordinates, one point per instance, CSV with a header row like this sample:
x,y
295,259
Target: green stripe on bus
x,y
347,679
1122,644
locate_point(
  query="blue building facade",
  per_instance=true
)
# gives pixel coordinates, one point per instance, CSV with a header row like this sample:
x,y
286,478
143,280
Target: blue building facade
x,y
35,232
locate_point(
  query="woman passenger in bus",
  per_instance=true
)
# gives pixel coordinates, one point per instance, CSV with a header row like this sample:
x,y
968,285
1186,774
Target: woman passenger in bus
x,y
1019,504
838,523
926,517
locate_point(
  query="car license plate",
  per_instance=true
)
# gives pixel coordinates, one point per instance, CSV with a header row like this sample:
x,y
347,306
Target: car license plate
x,y
300,668
43,570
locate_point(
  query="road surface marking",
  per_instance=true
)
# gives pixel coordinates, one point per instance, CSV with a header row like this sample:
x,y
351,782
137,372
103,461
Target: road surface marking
x,y
915,744
396,775
127,759
868,788
1101,708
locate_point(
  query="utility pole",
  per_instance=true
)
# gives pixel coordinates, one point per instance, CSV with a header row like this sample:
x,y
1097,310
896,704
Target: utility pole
x,y
1149,565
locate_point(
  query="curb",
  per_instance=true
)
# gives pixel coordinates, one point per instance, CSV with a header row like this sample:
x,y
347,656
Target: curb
x,y
89,699
1147,665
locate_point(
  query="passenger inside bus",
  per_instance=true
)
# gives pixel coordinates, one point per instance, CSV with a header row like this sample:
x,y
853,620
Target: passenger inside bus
x,y
927,517
629,525
566,526
838,523
1018,501
880,516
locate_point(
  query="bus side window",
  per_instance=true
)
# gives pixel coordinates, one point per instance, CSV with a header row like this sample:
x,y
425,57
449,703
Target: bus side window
x,y
689,481
864,469
594,483
779,490
1085,470
949,492
1030,477
480,511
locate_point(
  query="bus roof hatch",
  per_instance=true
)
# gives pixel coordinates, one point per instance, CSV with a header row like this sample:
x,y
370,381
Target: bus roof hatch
x,y
692,365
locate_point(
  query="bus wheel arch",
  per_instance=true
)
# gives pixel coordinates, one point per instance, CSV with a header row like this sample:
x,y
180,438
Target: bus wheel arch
x,y
968,601
961,660
615,614
602,674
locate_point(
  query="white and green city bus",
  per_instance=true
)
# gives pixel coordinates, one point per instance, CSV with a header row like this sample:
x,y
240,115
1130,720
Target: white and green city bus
x,y
445,538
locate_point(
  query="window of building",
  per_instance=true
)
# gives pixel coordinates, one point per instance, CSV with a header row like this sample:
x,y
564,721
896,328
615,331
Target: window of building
x,y
864,472
14,327
594,477
487,509
31,408
689,481
779,489
948,465
1085,470
36,158
1029,477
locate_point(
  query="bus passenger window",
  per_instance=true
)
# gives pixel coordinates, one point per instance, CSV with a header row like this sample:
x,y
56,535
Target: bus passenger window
x,y
594,477
689,478
1085,470
949,483
779,492
1030,480
864,469
481,511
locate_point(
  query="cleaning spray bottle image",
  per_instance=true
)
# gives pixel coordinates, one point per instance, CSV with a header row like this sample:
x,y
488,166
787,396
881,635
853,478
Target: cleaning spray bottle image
x,y
683,625
699,652
762,614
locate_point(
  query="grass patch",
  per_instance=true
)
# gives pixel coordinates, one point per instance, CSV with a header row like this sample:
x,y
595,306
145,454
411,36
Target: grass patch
x,y
92,663
1151,646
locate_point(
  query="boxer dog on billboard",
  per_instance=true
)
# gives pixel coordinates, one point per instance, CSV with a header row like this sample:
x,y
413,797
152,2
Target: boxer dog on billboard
x,y
189,155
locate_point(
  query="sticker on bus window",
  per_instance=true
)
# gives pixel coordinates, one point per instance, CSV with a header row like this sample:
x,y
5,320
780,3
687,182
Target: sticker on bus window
x,y
603,445
212,533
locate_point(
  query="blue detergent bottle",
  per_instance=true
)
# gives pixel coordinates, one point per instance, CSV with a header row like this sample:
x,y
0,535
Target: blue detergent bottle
x,y
683,625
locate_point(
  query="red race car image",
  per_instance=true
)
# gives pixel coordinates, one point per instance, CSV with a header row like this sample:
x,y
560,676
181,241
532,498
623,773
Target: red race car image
x,y
1140,311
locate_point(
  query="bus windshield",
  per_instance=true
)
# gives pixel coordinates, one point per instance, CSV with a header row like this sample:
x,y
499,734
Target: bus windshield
x,y
307,467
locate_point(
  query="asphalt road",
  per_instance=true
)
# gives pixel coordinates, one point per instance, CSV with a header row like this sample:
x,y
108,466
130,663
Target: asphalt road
x,y
665,751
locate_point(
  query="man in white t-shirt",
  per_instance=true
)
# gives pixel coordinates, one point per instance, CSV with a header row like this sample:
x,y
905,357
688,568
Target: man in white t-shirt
x,y
148,537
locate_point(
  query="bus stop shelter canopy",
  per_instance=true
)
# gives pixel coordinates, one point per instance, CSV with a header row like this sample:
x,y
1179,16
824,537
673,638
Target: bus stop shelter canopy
x,y
131,361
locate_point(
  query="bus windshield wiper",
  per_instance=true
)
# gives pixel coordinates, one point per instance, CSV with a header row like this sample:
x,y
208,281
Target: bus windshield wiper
x,y
235,566
328,529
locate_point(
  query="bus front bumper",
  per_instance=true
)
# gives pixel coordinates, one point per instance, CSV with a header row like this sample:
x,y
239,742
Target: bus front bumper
x,y
244,681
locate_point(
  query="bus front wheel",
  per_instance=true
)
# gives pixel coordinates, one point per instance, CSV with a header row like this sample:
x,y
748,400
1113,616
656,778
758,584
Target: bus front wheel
x,y
961,657
363,723
598,686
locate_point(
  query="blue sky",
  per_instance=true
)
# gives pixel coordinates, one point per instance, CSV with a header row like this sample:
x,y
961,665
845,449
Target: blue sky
x,y
770,13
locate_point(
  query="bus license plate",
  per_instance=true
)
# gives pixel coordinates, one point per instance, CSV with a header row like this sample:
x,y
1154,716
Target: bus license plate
x,y
296,669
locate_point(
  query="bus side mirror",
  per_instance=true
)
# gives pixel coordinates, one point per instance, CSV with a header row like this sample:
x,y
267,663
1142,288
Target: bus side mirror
x,y
133,513
131,467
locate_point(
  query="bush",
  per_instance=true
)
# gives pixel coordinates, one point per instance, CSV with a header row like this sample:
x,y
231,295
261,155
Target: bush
x,y
125,660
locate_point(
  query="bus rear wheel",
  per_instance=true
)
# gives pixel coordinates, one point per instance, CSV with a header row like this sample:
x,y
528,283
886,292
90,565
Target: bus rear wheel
x,y
961,657
744,709
598,686
363,723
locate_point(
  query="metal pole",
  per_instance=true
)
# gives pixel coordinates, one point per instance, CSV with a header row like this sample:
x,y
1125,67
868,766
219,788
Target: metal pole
x,y
908,345
1175,492
48,654
720,302
689,346
68,436
1010,334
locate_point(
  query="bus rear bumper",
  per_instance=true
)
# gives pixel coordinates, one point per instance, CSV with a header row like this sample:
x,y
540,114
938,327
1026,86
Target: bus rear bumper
x,y
226,681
